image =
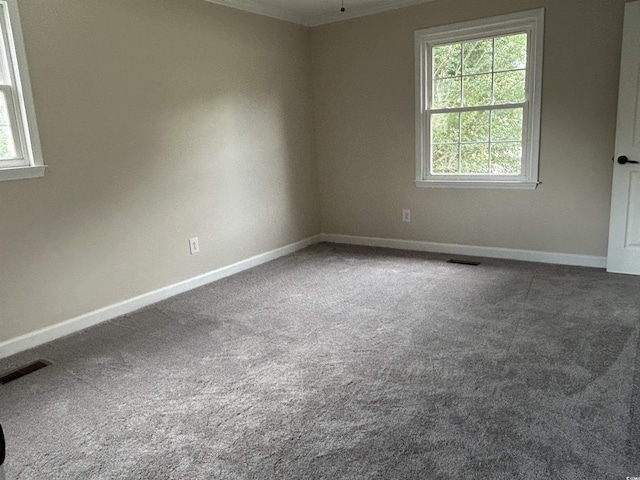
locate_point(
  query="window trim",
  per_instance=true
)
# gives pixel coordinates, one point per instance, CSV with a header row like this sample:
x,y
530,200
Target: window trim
x,y
531,22
27,136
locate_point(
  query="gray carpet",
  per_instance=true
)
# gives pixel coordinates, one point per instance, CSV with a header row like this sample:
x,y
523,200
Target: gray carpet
x,y
345,363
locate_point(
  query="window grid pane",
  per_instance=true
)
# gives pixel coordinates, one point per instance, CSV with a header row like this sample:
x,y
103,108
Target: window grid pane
x,y
447,61
510,52
474,158
445,128
506,158
7,144
446,159
477,57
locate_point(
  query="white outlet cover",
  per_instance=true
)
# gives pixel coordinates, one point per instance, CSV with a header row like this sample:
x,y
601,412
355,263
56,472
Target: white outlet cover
x,y
194,245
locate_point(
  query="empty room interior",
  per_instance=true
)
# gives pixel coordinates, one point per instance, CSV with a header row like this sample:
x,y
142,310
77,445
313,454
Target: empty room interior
x,y
355,239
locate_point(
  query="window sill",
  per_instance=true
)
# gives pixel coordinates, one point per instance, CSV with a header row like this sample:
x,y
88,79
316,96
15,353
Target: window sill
x,y
19,173
494,185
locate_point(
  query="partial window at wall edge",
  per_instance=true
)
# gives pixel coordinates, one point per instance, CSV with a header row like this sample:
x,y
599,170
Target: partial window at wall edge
x,y
20,151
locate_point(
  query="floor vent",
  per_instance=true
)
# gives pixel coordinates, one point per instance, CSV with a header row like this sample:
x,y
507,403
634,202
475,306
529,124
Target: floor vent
x,y
22,371
460,261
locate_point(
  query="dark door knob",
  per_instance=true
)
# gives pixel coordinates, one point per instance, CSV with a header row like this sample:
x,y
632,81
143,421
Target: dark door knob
x,y
623,159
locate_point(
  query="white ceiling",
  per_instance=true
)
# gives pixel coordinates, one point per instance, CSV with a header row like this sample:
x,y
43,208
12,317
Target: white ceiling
x,y
316,12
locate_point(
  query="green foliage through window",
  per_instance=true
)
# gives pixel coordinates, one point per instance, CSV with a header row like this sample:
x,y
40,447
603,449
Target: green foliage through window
x,y
484,81
7,149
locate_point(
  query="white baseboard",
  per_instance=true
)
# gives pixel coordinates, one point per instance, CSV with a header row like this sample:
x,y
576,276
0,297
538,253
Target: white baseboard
x,y
47,334
471,250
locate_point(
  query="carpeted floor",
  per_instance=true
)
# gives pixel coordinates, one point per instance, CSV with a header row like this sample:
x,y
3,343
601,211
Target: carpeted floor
x,y
345,363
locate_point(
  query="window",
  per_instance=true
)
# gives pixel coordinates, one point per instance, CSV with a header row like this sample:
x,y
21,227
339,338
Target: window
x,y
20,154
478,102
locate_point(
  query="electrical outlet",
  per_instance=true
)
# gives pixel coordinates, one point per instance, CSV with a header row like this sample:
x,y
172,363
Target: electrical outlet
x,y
194,245
406,215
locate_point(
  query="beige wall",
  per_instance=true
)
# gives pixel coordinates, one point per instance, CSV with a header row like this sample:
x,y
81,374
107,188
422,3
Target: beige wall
x,y
160,120
364,87
165,119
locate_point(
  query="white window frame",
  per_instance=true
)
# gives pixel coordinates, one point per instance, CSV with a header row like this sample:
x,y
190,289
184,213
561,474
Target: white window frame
x,y
529,22
28,162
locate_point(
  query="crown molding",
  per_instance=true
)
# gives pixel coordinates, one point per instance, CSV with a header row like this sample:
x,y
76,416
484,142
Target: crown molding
x,y
290,15
363,11
259,7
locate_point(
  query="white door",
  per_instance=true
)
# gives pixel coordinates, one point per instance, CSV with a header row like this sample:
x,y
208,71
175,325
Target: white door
x,y
624,227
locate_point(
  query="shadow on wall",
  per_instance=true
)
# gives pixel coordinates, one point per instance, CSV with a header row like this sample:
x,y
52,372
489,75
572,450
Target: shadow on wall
x,y
160,121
